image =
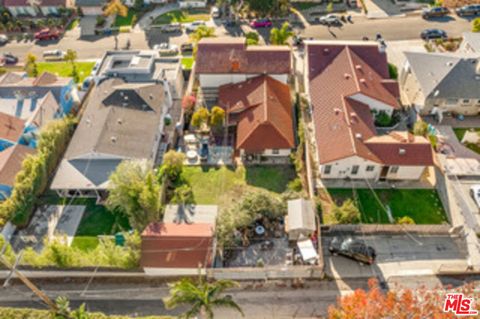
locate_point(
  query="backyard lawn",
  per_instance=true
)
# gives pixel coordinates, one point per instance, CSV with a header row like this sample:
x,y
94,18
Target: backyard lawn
x,y
222,185
65,69
460,132
182,16
129,20
422,205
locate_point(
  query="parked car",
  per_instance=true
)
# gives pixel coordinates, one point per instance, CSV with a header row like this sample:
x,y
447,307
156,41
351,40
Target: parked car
x,y
171,28
54,55
215,12
186,48
192,27
3,39
261,23
330,20
8,58
355,249
470,10
433,34
166,49
475,192
435,12
47,34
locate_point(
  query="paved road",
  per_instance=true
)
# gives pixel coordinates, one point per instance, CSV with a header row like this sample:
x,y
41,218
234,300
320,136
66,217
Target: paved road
x,y
270,300
392,29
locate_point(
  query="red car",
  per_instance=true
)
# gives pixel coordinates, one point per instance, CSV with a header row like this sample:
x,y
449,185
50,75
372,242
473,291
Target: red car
x,y
47,34
261,23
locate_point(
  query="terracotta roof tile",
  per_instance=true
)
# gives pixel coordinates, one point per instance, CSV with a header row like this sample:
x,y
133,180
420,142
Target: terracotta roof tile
x,y
222,56
11,162
262,110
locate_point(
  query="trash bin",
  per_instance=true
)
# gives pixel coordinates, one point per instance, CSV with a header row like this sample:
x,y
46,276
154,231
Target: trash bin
x,y
119,239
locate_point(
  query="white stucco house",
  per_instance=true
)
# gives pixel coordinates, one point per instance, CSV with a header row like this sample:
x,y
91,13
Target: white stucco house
x,y
345,83
441,82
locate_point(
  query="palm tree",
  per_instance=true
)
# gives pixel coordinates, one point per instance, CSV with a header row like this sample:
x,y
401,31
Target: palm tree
x,y
281,36
201,296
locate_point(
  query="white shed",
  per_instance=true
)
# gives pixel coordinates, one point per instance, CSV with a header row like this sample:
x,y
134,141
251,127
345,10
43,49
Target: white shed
x,y
301,218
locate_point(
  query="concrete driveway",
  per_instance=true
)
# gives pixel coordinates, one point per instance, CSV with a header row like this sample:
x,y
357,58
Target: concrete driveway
x,y
398,255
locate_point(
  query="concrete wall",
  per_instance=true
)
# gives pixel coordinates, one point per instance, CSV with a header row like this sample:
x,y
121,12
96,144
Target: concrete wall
x,y
216,80
373,103
343,169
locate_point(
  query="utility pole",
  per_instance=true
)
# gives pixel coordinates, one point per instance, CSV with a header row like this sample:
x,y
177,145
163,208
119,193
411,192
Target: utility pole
x,y
29,284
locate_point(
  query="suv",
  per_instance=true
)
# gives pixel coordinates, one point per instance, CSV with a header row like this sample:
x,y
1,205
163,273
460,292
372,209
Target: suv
x,y
47,34
470,10
330,20
171,28
435,12
355,249
54,55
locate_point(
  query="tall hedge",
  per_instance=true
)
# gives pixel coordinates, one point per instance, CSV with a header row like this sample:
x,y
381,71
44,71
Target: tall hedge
x,y
32,179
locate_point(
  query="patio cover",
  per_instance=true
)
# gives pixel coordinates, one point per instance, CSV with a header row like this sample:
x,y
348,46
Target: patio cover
x,y
307,250
301,218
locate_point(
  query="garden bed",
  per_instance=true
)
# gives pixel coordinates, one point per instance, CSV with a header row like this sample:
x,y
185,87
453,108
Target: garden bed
x,y
422,205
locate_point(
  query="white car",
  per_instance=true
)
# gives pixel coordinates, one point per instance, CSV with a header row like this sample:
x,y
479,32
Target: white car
x,y
192,27
215,12
475,192
166,49
54,55
330,19
3,39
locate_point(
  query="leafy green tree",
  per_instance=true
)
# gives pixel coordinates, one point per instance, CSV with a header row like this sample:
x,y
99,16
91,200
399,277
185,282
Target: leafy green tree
x,y
347,213
135,191
200,117
330,7
71,57
31,65
476,25
217,116
202,32
201,297
252,38
64,311
172,165
183,195
382,119
281,36
420,128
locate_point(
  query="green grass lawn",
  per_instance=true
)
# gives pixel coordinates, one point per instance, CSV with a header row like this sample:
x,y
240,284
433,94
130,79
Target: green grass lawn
x,y
222,185
187,62
96,220
73,24
125,21
460,133
422,205
182,16
65,69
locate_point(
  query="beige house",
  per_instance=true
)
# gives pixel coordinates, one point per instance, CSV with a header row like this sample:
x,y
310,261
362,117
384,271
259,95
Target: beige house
x,y
434,83
346,83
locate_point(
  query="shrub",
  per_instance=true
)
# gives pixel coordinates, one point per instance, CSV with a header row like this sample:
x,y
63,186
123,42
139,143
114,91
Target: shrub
x,y
25,313
405,220
295,185
420,128
347,213
382,119
252,38
393,71
200,117
476,25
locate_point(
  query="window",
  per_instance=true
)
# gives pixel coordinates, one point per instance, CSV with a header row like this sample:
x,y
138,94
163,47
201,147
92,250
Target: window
x,y
327,169
451,101
465,101
394,169
354,169
276,151
370,168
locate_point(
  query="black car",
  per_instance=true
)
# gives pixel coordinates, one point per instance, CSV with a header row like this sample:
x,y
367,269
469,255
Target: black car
x,y
186,47
9,58
470,10
434,12
433,34
355,249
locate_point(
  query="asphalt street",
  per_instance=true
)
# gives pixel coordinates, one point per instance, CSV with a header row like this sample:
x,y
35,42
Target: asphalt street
x,y
258,300
403,28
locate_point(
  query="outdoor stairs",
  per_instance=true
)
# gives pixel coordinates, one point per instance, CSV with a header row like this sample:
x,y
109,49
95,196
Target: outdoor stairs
x,y
207,96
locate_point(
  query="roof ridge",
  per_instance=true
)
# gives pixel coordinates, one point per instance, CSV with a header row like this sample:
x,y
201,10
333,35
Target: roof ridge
x,y
349,57
349,127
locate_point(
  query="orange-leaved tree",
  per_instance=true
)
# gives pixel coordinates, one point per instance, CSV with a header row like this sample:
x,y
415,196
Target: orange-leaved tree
x,y
399,303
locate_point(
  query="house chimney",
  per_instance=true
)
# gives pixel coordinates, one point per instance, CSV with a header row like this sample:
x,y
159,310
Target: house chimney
x,y
358,136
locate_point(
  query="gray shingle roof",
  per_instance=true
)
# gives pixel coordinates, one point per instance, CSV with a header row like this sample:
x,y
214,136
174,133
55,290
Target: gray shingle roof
x,y
446,75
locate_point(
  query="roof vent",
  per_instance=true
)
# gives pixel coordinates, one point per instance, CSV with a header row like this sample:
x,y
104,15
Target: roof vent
x,y
119,121
362,80
449,63
125,98
347,76
326,50
121,93
402,151
337,110
358,67
151,96
358,136
113,139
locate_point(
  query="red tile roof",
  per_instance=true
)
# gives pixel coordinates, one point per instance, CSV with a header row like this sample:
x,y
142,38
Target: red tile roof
x,y
262,110
338,74
42,3
11,162
168,245
221,56
11,127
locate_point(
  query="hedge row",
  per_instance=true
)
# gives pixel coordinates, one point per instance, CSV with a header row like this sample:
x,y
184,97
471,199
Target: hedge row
x,y
25,313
